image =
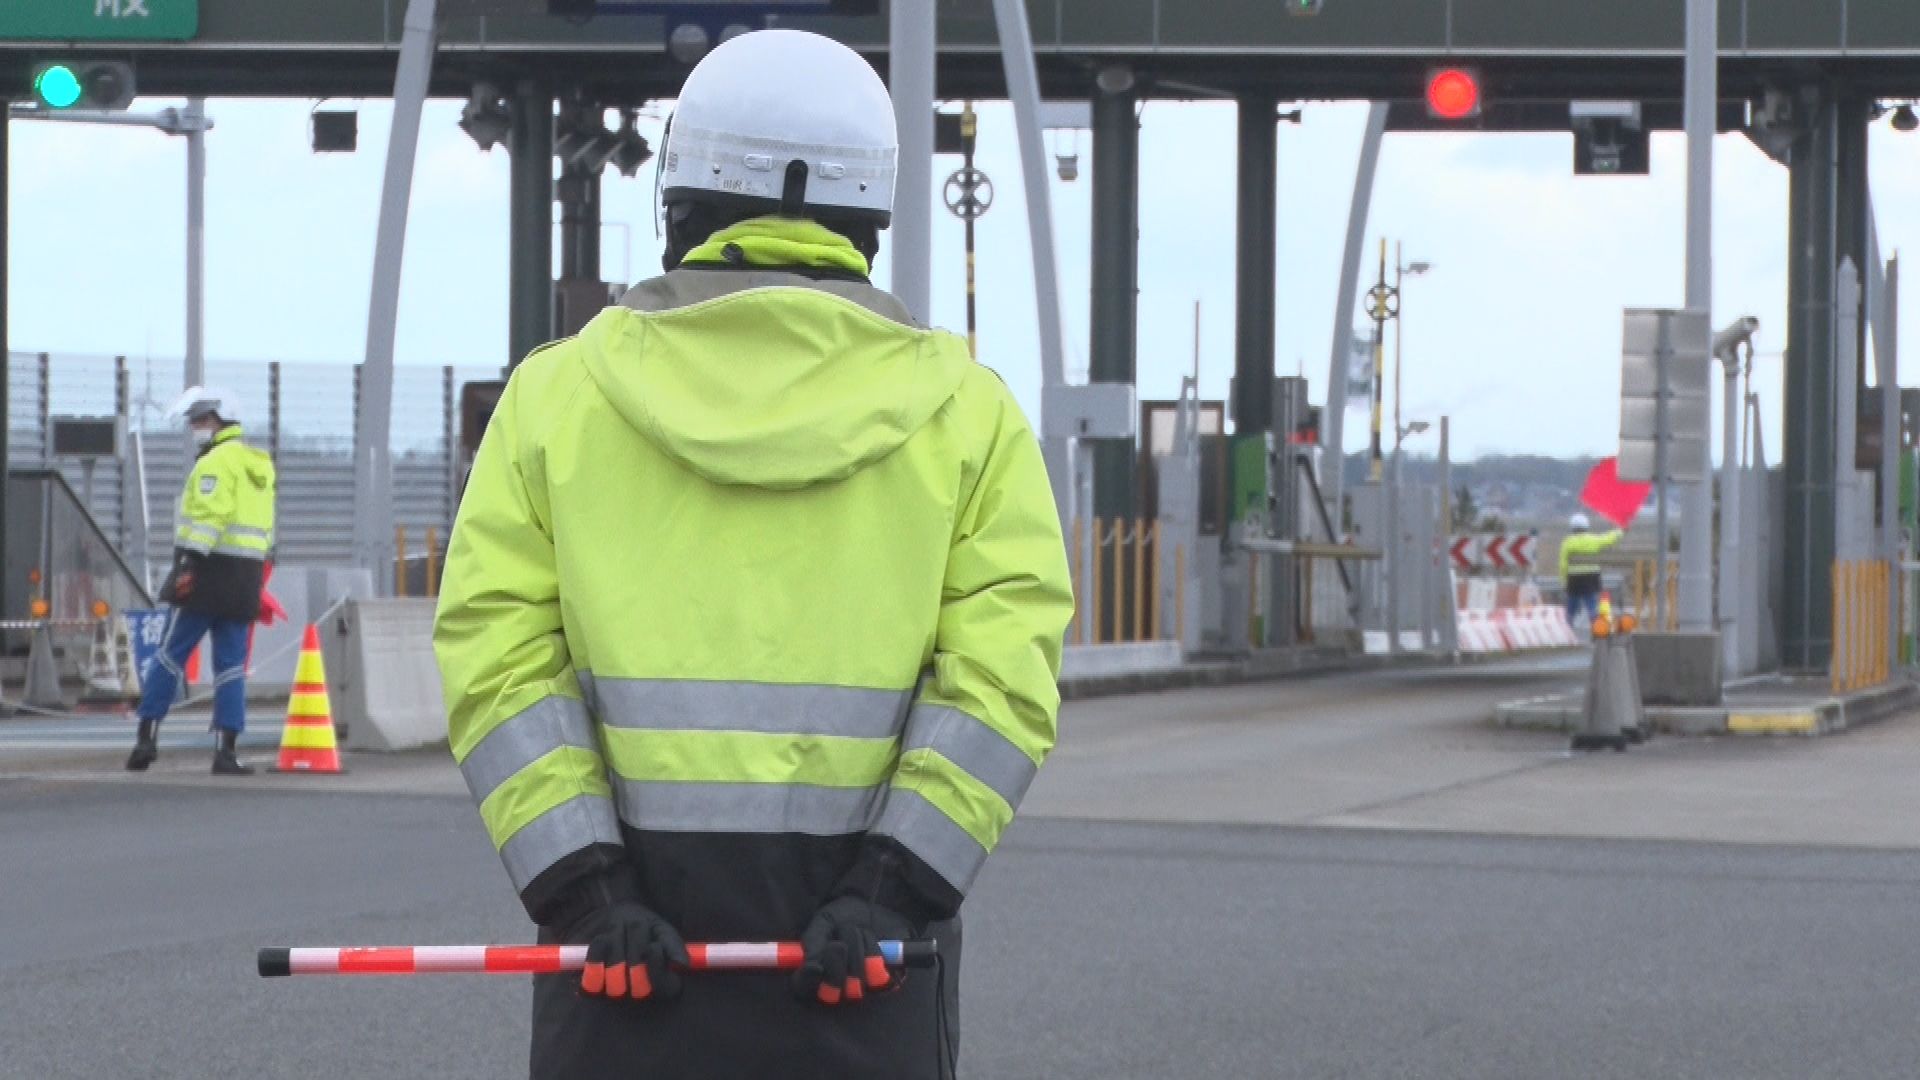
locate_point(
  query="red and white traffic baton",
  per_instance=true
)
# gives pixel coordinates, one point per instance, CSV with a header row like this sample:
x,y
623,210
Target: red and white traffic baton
x,y
548,959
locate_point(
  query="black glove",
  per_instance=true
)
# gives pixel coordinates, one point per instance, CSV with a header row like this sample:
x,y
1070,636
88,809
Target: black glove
x,y
842,951
631,952
179,584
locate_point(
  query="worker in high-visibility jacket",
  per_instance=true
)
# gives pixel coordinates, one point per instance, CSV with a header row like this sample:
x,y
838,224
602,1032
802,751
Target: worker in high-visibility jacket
x,y
753,612
222,538
1579,571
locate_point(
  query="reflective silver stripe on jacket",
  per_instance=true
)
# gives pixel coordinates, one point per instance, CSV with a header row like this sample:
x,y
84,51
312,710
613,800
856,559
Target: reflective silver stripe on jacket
x,y
506,751
580,822
528,736
770,708
747,808
683,705
937,839
196,538
980,751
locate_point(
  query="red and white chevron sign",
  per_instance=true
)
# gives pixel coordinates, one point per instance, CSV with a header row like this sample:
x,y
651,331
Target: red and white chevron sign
x,y
1462,552
1494,551
1520,551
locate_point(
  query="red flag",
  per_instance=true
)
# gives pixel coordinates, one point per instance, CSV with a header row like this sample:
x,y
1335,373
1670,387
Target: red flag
x,y
271,610
1612,498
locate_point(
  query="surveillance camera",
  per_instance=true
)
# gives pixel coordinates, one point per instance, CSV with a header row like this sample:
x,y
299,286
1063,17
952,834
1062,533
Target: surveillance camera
x,y
1741,332
1069,166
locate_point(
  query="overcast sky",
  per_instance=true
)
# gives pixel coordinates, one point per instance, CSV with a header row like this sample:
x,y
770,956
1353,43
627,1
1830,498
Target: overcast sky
x,y
1516,334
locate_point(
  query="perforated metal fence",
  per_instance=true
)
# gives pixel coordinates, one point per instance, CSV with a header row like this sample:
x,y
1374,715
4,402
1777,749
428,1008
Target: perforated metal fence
x,y
304,415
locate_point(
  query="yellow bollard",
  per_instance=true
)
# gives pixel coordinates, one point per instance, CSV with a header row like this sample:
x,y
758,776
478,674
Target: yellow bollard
x,y
1836,662
1853,626
1859,648
1139,580
1882,582
1879,623
433,561
1153,593
1099,552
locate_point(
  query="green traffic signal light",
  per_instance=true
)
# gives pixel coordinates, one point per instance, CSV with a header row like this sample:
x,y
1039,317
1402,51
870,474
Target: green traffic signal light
x,y
58,87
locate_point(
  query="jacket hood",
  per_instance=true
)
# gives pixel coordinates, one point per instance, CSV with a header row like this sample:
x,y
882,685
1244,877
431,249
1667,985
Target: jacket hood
x,y
779,388
255,466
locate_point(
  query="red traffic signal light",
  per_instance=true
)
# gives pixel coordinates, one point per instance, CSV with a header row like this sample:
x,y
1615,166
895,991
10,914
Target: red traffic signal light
x,y
1453,93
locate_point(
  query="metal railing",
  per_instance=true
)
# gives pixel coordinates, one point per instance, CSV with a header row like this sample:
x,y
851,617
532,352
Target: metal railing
x,y
1643,594
303,415
417,574
1862,624
1116,566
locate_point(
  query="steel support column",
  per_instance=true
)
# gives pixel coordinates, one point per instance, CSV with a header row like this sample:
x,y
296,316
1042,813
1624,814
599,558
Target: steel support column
x,y
196,368
1333,422
373,405
1023,88
1702,96
1806,616
1116,274
579,224
912,57
530,227
1254,264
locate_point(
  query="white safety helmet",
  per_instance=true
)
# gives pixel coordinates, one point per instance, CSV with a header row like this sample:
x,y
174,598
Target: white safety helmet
x,y
1580,523
783,121
202,401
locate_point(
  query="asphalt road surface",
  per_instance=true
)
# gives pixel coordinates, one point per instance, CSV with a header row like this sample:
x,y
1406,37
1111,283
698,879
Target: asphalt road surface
x,y
130,912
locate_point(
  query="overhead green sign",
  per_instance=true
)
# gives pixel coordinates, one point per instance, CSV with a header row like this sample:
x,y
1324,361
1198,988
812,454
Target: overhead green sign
x,y
99,20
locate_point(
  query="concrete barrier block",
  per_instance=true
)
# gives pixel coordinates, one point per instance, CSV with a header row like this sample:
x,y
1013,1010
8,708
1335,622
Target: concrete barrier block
x,y
1678,669
381,671
1098,661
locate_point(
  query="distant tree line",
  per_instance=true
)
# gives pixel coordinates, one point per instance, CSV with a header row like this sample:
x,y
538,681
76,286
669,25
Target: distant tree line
x,y
1517,470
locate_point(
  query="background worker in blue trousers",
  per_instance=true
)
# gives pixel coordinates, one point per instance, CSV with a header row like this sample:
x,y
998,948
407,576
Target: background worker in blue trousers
x,y
221,543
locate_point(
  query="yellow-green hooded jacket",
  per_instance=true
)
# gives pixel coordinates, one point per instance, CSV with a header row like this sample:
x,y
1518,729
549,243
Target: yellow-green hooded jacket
x,y
1578,550
755,587
223,531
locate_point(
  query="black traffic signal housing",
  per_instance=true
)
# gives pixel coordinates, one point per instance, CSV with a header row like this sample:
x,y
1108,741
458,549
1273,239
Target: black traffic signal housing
x,y
60,85
1610,139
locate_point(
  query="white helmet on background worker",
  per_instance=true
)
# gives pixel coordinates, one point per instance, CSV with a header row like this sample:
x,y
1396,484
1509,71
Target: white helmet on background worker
x,y
1580,523
200,402
782,122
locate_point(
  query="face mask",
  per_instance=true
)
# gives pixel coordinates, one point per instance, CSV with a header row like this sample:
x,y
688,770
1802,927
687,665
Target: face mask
x,y
201,437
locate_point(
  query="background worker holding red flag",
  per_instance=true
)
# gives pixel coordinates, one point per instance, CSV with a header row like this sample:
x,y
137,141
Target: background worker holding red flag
x,y
1578,570
1616,500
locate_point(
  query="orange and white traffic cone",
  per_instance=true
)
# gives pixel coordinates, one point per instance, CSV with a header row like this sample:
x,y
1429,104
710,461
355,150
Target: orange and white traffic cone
x,y
307,742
